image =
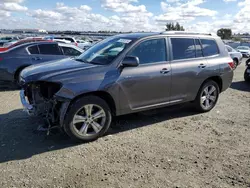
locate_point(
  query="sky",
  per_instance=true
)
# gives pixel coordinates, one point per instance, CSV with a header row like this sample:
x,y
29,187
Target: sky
x,y
125,15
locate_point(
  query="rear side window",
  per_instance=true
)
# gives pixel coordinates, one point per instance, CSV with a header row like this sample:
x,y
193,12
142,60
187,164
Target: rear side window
x,y
210,47
49,49
183,48
69,39
33,49
150,51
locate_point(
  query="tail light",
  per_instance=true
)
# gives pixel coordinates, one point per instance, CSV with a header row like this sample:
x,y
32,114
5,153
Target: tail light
x,y
231,65
76,43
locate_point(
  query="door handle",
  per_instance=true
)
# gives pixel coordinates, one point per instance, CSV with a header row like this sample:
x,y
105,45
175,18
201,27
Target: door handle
x,y
164,71
202,66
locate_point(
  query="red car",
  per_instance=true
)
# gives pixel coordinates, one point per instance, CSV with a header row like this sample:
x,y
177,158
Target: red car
x,y
23,41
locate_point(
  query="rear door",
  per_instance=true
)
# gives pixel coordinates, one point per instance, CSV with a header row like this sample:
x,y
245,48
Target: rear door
x,y
188,67
45,52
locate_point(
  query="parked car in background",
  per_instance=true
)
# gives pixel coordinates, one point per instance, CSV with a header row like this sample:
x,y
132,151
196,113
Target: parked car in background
x,y
4,40
17,43
247,71
13,61
235,55
126,74
244,50
84,44
61,41
71,39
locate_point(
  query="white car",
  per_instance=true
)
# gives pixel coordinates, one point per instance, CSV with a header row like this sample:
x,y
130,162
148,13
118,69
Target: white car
x,y
62,41
84,44
235,55
70,49
244,50
71,39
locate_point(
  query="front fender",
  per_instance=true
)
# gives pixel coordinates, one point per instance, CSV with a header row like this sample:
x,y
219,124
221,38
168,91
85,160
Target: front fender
x,y
72,90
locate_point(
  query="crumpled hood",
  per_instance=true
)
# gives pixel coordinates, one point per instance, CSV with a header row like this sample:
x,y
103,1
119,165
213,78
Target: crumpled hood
x,y
50,69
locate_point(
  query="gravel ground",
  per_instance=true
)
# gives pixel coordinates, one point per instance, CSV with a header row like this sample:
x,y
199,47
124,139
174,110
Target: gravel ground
x,y
162,148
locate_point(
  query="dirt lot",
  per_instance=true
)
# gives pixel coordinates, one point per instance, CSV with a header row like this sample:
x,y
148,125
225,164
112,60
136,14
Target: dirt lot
x,y
163,148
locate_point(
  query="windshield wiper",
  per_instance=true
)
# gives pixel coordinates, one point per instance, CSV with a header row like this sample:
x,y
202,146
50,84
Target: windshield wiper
x,y
80,60
96,63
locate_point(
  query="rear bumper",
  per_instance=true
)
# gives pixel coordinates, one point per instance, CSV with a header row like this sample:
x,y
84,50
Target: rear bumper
x,y
227,79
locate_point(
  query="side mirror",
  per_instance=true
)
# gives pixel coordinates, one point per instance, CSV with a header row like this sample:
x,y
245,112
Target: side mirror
x,y
130,61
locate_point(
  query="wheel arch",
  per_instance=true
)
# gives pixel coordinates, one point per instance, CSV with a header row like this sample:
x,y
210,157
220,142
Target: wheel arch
x,y
101,94
216,79
18,71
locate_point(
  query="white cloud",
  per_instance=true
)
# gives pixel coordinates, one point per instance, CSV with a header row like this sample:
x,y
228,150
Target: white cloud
x,y
12,7
9,6
229,1
12,1
126,15
184,12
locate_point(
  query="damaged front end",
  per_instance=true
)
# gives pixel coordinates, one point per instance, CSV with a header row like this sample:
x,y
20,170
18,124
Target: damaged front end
x,y
39,99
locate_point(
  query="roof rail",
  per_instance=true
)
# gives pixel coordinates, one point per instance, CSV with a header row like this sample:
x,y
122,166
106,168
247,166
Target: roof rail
x,y
186,33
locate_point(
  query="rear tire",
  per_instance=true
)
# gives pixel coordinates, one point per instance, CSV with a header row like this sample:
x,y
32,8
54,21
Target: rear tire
x,y
87,119
246,76
236,63
207,96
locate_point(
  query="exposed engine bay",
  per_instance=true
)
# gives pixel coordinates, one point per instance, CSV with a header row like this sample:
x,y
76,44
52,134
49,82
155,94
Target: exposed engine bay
x,y
40,97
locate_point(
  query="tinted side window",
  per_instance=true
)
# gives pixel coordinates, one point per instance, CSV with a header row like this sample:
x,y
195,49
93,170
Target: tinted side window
x,y
150,51
70,51
183,48
49,49
198,48
33,49
209,47
69,39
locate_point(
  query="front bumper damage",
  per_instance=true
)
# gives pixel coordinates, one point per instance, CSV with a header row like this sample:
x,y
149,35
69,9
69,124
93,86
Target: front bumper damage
x,y
38,99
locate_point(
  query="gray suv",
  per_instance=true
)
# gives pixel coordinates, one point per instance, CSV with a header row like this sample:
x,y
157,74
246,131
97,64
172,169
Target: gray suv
x,y
126,74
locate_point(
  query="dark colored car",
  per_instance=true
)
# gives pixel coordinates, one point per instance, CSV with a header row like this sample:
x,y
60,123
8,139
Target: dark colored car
x,y
247,71
13,61
126,74
23,41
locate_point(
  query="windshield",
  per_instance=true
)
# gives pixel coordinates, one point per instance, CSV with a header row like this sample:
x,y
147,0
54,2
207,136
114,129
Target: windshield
x,y
243,48
105,52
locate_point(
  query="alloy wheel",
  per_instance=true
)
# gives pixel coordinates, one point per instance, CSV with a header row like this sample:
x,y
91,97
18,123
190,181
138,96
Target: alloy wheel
x,y
89,120
209,97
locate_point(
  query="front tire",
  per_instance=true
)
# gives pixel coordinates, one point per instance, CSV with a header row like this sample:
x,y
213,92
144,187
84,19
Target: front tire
x,y
207,96
87,119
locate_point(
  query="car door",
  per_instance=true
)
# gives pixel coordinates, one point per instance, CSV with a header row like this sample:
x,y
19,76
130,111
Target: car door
x,y
147,85
189,68
45,52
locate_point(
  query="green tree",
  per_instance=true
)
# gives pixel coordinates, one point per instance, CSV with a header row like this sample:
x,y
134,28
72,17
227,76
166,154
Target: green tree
x,y
224,33
174,27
